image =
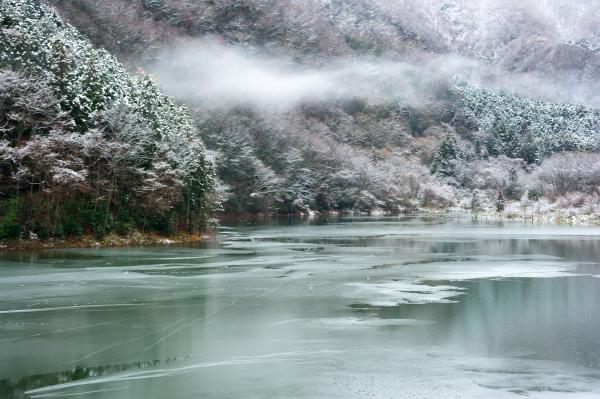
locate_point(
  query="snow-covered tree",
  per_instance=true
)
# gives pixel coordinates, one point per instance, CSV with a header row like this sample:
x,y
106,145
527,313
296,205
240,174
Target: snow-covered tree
x,y
82,136
529,128
500,202
447,154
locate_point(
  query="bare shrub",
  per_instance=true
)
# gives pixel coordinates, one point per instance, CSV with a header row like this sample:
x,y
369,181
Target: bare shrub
x,y
568,173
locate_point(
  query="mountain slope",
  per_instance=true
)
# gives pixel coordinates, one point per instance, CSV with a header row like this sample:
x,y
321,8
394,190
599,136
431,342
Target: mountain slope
x,y
86,145
343,105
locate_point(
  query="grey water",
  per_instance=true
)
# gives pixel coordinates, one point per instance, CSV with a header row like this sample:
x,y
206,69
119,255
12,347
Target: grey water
x,y
310,308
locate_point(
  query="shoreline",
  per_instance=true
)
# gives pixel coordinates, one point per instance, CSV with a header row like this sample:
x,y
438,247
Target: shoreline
x,y
135,238
138,238
564,217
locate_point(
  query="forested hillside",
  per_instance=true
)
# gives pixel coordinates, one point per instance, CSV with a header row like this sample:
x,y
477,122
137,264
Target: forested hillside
x,y
508,85
316,106
87,146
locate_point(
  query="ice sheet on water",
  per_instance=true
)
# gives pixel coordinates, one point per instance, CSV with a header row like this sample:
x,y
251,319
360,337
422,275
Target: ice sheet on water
x,y
356,322
270,245
350,323
326,269
493,269
393,293
409,283
413,374
386,229
532,378
357,372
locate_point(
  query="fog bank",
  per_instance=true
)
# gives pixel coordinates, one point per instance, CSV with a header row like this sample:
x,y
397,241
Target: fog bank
x,y
212,74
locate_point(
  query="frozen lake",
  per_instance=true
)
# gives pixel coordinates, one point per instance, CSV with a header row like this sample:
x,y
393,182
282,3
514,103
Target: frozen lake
x,y
336,308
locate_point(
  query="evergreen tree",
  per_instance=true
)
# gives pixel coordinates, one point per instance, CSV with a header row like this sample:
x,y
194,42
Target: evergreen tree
x,y
63,77
475,204
529,128
135,158
93,85
477,148
506,138
491,146
447,154
530,148
500,202
513,189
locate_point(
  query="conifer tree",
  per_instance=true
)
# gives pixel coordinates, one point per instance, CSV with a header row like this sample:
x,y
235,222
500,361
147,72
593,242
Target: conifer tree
x,y
448,152
500,202
513,189
93,85
475,204
529,128
133,150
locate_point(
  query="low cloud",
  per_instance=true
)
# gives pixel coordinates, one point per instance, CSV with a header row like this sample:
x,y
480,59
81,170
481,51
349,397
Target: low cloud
x,y
207,73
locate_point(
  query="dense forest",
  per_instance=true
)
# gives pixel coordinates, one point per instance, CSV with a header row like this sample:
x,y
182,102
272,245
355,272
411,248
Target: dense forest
x,y
317,106
87,146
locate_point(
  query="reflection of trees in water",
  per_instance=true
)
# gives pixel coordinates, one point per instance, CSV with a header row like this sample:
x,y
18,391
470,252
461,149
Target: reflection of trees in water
x,y
577,248
538,318
15,388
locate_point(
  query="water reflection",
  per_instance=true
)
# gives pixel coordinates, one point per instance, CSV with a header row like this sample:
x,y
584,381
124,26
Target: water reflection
x,y
14,388
552,319
327,308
